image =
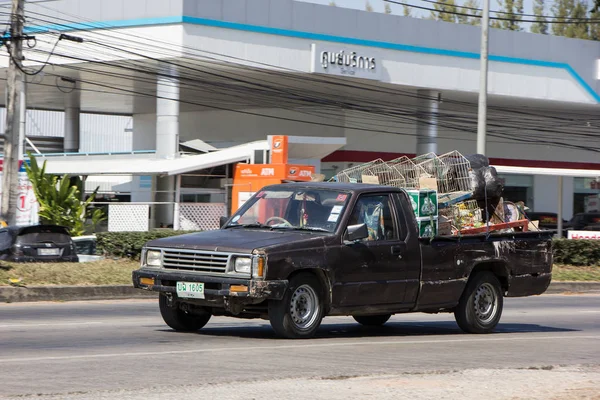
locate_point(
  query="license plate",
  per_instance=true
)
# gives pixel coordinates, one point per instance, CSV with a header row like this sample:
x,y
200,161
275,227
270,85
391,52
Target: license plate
x,y
48,252
190,290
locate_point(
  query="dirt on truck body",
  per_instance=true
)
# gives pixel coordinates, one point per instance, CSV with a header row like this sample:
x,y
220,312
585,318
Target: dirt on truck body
x,y
295,253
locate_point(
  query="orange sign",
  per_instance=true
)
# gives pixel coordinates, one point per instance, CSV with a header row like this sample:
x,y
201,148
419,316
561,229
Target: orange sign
x,y
274,171
258,171
300,172
249,178
279,150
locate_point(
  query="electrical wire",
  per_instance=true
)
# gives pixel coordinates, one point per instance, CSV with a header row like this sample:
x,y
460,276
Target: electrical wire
x,y
350,127
20,67
499,12
457,13
155,41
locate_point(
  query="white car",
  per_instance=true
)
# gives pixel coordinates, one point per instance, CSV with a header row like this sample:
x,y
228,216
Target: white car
x,y
86,248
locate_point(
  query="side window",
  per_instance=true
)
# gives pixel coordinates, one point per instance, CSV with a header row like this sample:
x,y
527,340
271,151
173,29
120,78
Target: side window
x,y
376,212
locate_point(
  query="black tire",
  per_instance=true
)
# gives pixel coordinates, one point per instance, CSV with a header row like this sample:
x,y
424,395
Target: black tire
x,y
372,320
480,306
180,320
299,314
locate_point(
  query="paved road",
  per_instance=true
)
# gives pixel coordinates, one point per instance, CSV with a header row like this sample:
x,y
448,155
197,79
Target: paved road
x,y
122,349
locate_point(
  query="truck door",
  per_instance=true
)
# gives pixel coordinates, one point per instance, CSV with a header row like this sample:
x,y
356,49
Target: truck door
x,y
411,260
374,269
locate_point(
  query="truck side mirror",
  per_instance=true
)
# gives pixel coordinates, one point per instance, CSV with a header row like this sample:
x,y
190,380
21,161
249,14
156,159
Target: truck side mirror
x,y
355,233
223,221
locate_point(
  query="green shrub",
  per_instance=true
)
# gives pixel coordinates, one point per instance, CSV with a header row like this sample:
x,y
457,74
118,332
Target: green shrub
x,y
577,252
129,244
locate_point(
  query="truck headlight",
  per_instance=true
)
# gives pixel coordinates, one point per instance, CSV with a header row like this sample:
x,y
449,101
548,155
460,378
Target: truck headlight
x,y
153,258
243,265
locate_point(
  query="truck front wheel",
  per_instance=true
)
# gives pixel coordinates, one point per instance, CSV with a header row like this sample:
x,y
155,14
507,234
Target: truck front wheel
x,y
480,305
299,314
181,320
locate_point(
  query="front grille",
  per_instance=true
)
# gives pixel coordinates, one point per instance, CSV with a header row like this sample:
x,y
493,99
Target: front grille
x,y
200,261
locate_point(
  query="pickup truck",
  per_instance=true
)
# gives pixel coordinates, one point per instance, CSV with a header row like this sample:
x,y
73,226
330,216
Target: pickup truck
x,y
297,252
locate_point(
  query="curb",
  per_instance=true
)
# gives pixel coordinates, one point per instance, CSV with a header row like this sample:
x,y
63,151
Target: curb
x,y
10,294
573,287
71,293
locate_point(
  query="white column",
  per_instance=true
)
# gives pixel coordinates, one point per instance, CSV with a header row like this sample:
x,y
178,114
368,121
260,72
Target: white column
x,y
559,213
71,143
72,113
167,117
427,129
167,142
177,199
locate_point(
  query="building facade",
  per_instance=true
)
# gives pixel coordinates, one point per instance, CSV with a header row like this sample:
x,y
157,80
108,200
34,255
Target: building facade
x,y
230,72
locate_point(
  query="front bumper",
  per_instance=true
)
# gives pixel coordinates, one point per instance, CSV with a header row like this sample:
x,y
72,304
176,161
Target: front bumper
x,y
216,288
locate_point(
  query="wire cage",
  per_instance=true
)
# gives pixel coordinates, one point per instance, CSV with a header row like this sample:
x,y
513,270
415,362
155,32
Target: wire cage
x,y
431,166
383,173
451,171
408,170
456,173
353,174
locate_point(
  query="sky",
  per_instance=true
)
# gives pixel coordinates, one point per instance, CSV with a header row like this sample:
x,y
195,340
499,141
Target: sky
x,y
378,5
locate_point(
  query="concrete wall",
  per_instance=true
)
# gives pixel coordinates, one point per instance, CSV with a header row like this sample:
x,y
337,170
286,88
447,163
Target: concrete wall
x,y
404,65
144,132
392,30
255,124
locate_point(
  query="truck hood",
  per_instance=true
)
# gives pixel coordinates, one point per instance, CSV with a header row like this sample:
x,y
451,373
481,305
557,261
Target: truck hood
x,y
238,240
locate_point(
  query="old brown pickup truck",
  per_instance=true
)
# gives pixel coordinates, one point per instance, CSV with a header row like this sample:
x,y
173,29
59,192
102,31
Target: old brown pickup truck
x,y
295,253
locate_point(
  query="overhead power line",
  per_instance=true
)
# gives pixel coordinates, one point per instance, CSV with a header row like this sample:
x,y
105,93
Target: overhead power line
x,y
501,12
568,20
262,89
190,52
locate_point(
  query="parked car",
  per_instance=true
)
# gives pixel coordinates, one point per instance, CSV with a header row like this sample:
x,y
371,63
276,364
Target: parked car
x,y
549,221
86,248
586,222
295,253
37,243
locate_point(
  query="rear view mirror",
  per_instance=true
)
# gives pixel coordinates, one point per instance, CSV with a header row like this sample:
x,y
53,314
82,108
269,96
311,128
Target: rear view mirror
x,y
357,232
223,221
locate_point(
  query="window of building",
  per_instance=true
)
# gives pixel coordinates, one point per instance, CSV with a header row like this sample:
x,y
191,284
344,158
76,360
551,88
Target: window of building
x,y
518,188
585,189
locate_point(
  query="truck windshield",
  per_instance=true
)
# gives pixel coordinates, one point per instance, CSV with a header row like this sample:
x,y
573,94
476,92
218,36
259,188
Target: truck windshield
x,y
306,209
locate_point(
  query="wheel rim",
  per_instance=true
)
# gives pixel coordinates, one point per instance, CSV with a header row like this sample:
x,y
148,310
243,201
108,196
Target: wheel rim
x,y
304,307
486,303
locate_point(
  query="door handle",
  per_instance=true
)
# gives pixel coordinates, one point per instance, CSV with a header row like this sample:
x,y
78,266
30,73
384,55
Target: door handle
x,y
397,250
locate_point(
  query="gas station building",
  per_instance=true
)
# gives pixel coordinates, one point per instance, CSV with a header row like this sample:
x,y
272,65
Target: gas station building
x,y
210,84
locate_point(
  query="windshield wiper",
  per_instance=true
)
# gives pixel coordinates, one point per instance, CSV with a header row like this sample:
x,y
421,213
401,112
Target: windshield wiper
x,y
253,225
305,228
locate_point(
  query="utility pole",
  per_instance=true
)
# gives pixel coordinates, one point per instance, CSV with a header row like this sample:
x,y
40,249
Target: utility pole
x,y
14,81
483,79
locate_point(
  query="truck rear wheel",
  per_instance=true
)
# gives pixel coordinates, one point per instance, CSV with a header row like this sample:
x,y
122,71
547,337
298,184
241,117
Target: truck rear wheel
x,y
299,314
480,306
372,320
181,320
